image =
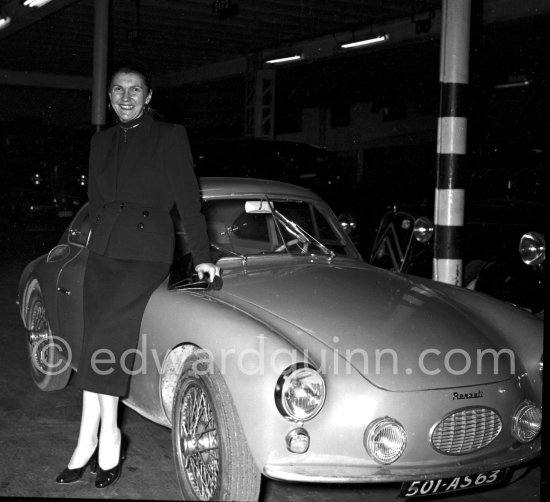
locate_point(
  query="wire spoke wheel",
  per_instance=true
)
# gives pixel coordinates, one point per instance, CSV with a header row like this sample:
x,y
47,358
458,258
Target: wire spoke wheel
x,y
199,439
211,452
48,369
39,333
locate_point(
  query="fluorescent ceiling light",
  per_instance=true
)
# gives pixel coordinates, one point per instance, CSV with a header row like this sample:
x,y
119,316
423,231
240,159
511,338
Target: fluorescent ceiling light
x,y
368,41
285,60
4,21
35,3
509,85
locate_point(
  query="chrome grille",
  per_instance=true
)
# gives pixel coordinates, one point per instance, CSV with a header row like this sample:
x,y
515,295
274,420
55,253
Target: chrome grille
x,y
466,430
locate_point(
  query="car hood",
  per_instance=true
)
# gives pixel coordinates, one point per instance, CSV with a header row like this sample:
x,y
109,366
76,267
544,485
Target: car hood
x,y
398,333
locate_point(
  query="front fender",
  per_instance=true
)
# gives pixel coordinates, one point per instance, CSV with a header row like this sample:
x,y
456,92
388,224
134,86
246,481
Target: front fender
x,y
521,331
249,354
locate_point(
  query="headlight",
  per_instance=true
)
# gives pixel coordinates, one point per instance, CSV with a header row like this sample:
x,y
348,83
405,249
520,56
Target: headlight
x,y
423,229
347,222
300,392
385,440
527,422
36,179
532,248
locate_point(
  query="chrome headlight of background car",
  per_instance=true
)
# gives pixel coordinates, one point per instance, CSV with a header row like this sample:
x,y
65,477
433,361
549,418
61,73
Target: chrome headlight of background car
x,y
527,422
532,249
300,392
385,440
423,229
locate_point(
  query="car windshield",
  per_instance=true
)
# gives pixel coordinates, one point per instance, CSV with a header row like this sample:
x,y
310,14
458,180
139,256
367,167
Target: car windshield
x,y
255,226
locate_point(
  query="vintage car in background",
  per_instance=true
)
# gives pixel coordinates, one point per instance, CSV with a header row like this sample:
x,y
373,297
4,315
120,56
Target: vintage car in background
x,y
308,364
502,206
43,173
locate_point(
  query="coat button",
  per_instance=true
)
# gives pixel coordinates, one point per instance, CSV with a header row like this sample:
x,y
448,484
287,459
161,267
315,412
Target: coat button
x,y
97,218
122,205
145,214
140,225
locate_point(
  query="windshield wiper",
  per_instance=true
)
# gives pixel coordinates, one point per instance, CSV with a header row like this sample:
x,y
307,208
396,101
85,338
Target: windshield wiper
x,y
298,232
222,249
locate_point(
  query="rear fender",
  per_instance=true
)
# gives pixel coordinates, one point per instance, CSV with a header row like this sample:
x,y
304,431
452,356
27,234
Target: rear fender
x,y
38,273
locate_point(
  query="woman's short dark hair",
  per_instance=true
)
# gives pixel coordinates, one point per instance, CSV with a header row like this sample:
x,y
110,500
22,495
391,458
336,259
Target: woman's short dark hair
x,y
134,67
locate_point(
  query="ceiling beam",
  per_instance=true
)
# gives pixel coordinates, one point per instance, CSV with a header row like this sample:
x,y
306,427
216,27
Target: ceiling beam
x,y
35,79
400,32
327,46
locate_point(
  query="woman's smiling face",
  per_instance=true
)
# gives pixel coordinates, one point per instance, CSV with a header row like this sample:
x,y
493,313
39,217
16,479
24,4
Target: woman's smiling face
x,y
129,95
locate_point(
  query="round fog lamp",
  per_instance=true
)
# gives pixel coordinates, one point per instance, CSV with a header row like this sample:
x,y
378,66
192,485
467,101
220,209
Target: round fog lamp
x,y
385,440
527,422
297,441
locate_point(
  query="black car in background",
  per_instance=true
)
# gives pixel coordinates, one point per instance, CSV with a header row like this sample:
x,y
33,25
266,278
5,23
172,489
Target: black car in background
x,y
43,173
506,197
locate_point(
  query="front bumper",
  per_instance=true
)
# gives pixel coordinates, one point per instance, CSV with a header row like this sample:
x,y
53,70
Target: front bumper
x,y
362,473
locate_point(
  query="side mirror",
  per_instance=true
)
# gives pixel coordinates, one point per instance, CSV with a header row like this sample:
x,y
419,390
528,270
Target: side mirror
x,y
347,222
423,229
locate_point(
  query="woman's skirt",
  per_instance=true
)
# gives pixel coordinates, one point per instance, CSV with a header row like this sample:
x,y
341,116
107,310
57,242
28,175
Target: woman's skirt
x,y
115,295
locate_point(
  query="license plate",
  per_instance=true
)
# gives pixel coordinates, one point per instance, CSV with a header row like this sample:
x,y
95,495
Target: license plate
x,y
449,485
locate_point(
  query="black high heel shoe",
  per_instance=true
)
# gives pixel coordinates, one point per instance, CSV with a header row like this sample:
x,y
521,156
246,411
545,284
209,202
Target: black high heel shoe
x,y
67,475
107,477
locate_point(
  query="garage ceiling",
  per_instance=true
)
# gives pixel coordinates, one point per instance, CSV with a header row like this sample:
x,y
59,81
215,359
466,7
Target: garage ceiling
x,y
176,35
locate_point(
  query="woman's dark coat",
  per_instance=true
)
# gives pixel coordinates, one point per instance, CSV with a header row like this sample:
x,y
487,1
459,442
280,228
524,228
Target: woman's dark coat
x,y
130,203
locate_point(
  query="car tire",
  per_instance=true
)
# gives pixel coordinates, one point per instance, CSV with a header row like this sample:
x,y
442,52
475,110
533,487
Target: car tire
x,y
213,461
49,369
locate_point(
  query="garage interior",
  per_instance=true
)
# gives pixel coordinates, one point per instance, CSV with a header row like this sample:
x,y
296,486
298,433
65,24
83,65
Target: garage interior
x,y
374,107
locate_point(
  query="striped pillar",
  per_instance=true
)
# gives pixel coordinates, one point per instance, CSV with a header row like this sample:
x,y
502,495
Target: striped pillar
x,y
451,141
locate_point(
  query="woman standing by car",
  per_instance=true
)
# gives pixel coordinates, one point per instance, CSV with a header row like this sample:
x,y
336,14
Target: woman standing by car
x,y
138,170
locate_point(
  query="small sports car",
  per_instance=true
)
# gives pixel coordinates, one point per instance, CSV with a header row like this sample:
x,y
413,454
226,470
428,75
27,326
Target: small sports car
x,y
308,364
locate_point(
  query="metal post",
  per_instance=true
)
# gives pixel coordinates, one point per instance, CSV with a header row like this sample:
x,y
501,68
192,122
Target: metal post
x,y
451,141
101,42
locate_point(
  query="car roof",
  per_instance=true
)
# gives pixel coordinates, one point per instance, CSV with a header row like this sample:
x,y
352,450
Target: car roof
x,y
223,186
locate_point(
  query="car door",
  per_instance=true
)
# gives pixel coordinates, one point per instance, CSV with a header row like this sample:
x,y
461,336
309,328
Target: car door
x,y
70,284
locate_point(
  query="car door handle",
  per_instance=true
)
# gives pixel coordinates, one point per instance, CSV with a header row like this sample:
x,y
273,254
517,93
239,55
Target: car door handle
x,y
64,291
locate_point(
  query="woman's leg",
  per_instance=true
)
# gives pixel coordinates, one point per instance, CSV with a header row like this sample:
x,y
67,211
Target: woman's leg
x,y
89,424
109,437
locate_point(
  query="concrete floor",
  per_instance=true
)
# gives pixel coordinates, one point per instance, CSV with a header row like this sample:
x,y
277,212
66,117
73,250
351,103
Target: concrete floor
x,y
38,432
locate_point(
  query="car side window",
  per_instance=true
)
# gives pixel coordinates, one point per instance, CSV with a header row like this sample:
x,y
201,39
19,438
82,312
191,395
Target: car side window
x,y
79,230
